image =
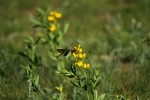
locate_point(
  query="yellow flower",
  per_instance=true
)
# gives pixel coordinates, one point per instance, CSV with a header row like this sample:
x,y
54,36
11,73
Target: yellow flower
x,y
51,18
52,28
79,50
60,89
80,56
76,46
58,15
52,13
76,63
74,55
86,66
83,55
79,63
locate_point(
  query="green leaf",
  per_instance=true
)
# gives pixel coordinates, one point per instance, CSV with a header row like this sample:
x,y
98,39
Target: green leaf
x,y
35,22
121,97
53,57
39,25
66,27
36,25
80,83
101,97
137,98
67,73
37,60
23,54
91,83
29,40
41,11
37,80
37,40
73,69
75,84
71,76
97,83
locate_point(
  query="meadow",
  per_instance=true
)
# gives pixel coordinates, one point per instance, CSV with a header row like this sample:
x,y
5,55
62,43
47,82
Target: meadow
x,y
98,50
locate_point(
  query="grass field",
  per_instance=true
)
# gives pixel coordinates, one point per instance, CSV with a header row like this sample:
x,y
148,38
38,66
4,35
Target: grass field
x,y
111,32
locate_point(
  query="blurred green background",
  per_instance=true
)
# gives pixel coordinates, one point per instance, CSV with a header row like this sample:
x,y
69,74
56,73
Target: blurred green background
x,y
110,31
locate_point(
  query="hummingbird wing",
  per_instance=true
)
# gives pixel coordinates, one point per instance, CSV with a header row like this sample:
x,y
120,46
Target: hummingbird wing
x,y
63,52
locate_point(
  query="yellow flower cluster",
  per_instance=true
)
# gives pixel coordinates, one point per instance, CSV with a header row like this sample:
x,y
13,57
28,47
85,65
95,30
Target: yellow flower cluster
x,y
79,56
52,18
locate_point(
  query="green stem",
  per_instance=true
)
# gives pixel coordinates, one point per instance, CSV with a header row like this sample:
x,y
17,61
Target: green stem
x,y
87,94
61,96
30,90
30,84
74,93
30,74
95,95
